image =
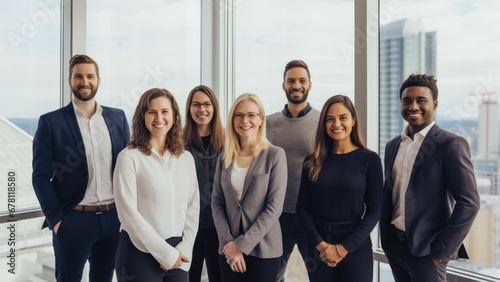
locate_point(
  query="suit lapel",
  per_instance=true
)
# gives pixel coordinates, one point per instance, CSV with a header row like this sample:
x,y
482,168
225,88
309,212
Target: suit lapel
x,y
251,172
426,149
112,134
69,113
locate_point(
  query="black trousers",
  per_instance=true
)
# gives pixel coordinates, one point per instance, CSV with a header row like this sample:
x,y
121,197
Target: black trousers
x,y
258,270
356,266
134,265
408,268
206,247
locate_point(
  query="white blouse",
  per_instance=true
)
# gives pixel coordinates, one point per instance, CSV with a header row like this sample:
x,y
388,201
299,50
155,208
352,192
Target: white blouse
x,y
157,198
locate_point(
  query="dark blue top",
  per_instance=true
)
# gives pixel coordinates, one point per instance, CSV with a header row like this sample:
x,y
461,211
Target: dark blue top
x,y
346,184
287,113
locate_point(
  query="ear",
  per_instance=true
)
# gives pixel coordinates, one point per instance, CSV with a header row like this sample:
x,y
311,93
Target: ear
x,y
354,120
283,86
435,105
98,81
69,81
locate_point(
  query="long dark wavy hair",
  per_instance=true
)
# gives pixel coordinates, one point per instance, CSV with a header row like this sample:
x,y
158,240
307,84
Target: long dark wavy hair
x,y
323,143
190,134
140,133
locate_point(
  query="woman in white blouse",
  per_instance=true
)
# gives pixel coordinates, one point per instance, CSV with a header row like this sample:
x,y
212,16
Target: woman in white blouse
x,y
248,195
156,193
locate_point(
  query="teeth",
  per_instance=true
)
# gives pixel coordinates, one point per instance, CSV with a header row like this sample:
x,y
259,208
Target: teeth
x,y
338,130
414,115
246,127
158,125
202,116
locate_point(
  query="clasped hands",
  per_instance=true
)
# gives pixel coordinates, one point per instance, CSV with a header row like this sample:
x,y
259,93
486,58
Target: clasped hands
x,y
182,258
329,254
234,257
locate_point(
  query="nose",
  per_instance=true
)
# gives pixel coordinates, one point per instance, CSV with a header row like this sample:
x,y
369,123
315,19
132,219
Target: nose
x,y
158,116
296,85
413,106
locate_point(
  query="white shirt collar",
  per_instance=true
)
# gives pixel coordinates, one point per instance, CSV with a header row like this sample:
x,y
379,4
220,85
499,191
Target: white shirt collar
x,y
79,112
419,135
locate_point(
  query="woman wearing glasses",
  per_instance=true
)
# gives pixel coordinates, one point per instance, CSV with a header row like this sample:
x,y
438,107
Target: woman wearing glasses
x,y
247,200
204,137
340,196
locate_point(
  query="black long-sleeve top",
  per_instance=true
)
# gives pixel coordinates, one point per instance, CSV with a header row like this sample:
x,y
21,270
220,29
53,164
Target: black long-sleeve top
x,y
349,187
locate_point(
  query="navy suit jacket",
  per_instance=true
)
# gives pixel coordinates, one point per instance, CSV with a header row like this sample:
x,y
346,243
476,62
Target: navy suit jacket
x,y
60,172
442,199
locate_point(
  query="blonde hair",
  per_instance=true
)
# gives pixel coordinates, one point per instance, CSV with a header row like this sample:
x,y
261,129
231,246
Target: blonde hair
x,y
232,141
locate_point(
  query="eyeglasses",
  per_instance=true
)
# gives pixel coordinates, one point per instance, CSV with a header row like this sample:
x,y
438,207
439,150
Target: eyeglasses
x,y
241,116
205,105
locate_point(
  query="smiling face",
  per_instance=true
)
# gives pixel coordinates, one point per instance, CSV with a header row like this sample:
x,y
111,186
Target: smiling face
x,y
247,119
297,85
159,117
84,81
417,108
201,108
339,123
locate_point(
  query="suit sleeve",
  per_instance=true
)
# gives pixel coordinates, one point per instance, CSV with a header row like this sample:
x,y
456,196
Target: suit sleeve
x,y
274,205
43,172
219,207
461,182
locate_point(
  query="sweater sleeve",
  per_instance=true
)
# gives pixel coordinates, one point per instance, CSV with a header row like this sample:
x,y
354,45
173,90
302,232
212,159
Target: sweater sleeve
x,y
373,204
303,204
139,230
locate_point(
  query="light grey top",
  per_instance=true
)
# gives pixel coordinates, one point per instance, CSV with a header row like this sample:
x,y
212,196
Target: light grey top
x,y
295,136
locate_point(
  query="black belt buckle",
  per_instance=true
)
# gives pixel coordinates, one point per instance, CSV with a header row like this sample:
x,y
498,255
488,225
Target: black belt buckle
x,y
401,235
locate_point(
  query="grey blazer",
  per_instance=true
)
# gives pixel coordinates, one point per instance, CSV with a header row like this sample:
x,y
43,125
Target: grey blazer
x,y
257,213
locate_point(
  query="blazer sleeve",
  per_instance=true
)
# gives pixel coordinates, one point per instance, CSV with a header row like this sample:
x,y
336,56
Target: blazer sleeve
x,y
219,207
193,212
274,205
43,172
460,179
139,230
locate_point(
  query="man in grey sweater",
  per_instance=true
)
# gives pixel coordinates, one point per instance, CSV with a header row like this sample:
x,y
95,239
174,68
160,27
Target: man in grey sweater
x,y
293,130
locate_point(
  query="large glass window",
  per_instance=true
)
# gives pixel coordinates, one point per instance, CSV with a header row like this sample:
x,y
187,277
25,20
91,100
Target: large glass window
x,y
269,34
141,45
30,87
453,41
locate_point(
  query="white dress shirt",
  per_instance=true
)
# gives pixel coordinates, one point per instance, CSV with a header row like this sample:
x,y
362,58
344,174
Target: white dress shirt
x,y
98,150
157,198
402,168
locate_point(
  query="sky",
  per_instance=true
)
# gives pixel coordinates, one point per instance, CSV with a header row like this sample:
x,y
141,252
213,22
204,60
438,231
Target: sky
x,y
157,44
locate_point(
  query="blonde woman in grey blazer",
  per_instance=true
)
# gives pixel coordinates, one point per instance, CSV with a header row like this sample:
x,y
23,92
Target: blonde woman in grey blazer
x,y
248,195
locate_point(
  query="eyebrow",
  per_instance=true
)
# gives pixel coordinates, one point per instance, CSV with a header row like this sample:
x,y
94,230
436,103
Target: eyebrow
x,y
201,102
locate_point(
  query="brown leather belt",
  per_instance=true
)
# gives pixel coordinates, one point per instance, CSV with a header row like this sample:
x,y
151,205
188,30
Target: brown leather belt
x,y
96,209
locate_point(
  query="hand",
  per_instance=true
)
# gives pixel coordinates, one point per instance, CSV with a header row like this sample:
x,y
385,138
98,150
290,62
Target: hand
x,y
329,254
435,260
182,258
56,227
234,257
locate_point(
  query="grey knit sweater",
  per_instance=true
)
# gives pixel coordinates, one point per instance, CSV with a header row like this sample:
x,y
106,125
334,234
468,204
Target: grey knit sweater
x,y
295,136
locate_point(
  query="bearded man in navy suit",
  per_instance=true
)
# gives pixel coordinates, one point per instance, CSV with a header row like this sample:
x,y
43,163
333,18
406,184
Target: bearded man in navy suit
x,y
430,194
74,154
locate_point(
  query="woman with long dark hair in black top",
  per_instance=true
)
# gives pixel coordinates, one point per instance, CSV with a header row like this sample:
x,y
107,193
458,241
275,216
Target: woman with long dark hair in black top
x,y
340,197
